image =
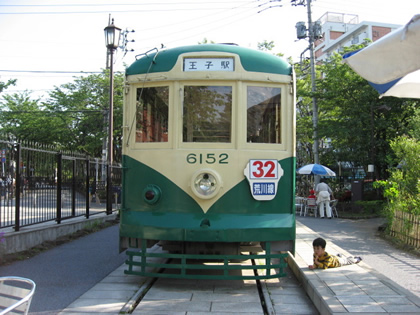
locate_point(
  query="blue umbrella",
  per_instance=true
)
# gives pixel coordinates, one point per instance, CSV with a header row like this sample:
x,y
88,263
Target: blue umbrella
x,y
315,169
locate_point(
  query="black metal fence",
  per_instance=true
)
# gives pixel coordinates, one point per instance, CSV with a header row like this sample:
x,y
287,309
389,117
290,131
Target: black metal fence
x,y
39,185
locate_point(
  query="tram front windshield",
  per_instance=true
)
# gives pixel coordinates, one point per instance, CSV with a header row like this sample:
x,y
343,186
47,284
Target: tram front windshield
x,y
207,114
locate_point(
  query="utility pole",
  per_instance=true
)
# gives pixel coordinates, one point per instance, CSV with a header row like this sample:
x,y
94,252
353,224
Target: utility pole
x,y
313,32
311,37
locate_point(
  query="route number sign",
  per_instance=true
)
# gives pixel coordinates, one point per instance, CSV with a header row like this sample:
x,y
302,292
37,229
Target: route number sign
x,y
263,169
263,177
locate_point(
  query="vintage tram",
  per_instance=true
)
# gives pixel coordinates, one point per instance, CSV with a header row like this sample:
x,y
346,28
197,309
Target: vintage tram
x,y
208,161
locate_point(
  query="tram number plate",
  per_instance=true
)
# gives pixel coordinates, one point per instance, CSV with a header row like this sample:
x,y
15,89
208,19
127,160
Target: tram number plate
x,y
264,169
209,158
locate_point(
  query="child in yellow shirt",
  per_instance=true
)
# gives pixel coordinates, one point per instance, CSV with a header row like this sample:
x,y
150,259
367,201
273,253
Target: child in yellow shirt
x,y
323,260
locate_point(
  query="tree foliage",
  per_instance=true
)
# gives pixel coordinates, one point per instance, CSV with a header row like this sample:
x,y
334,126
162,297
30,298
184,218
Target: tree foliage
x,y
402,189
5,85
23,118
74,117
355,124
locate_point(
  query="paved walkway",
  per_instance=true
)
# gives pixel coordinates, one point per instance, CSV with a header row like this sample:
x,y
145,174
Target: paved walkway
x,y
361,238
350,289
115,294
353,289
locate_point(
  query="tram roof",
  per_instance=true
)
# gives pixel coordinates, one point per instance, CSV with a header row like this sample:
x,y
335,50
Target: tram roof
x,y
251,60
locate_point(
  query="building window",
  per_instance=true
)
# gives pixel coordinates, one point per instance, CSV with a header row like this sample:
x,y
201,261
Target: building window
x,y
355,40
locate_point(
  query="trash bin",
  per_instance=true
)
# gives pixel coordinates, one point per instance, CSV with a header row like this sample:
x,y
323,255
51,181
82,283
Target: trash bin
x,y
357,190
356,193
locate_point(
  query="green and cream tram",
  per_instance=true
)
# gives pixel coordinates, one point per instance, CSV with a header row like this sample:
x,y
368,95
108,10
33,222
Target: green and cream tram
x,y
209,161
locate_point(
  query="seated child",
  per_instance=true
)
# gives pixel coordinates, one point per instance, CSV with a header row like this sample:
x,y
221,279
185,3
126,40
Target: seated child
x,y
312,194
323,260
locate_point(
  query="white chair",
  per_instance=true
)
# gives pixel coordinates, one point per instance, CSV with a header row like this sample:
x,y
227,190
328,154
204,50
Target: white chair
x,y
300,204
333,205
311,205
15,295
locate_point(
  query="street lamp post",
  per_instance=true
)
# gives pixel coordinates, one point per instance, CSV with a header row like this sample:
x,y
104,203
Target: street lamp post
x,y
112,38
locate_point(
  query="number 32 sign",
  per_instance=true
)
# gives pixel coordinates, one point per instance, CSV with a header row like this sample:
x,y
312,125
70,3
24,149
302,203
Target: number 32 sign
x,y
263,177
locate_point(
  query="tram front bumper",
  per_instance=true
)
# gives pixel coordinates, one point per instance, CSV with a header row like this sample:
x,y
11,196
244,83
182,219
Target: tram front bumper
x,y
217,228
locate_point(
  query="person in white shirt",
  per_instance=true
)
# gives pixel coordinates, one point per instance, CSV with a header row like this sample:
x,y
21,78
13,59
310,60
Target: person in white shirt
x,y
323,192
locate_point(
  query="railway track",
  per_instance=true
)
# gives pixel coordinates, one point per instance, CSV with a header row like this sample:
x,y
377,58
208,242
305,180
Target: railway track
x,y
180,296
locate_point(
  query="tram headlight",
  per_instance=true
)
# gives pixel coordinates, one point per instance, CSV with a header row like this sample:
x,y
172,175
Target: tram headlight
x,y
206,184
151,194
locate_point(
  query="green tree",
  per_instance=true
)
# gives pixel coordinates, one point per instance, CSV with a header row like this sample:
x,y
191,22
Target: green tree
x,y
73,118
85,103
402,189
304,111
266,45
22,118
5,85
414,125
205,41
358,123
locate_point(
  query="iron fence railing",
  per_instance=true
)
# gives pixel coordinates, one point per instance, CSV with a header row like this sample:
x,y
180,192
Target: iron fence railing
x,y
39,185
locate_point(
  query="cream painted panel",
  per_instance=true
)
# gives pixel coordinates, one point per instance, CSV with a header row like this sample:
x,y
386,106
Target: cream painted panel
x,y
173,164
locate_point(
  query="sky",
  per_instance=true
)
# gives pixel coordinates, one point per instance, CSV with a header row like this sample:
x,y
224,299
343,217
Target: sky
x,y
46,43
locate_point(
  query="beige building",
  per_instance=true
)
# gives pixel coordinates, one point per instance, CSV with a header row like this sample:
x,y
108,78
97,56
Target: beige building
x,y
341,30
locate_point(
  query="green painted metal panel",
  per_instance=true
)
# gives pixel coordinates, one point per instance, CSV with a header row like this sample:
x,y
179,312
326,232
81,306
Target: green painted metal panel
x,y
136,176
235,217
264,265
251,60
230,228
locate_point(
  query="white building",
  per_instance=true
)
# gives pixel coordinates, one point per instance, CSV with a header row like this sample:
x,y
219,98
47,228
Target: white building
x,y
342,30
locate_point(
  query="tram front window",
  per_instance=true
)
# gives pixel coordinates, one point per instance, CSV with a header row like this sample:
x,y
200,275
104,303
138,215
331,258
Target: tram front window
x,y
207,114
263,114
152,114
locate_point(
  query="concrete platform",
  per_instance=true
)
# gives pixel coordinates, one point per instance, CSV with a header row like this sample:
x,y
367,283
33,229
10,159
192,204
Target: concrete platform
x,y
354,289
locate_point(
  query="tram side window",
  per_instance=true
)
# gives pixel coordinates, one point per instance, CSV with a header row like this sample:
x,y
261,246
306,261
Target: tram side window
x,y
207,114
152,114
263,114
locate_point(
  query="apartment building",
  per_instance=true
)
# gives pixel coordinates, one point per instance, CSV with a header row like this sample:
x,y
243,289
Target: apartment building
x,y
340,30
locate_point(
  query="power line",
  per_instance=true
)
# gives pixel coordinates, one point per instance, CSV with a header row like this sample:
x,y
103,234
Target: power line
x,y
203,25
52,112
58,71
109,4
170,7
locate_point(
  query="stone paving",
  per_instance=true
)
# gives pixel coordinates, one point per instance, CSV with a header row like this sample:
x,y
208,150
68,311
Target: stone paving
x,y
354,289
117,294
349,289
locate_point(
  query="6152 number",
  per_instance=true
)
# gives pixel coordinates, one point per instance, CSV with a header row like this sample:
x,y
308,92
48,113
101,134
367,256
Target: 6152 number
x,y
209,158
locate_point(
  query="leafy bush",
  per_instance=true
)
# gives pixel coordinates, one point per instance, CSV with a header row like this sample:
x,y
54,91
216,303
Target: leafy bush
x,y
402,189
371,206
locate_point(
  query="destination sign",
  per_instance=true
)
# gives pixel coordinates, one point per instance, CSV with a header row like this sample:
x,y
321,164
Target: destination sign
x,y
208,64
